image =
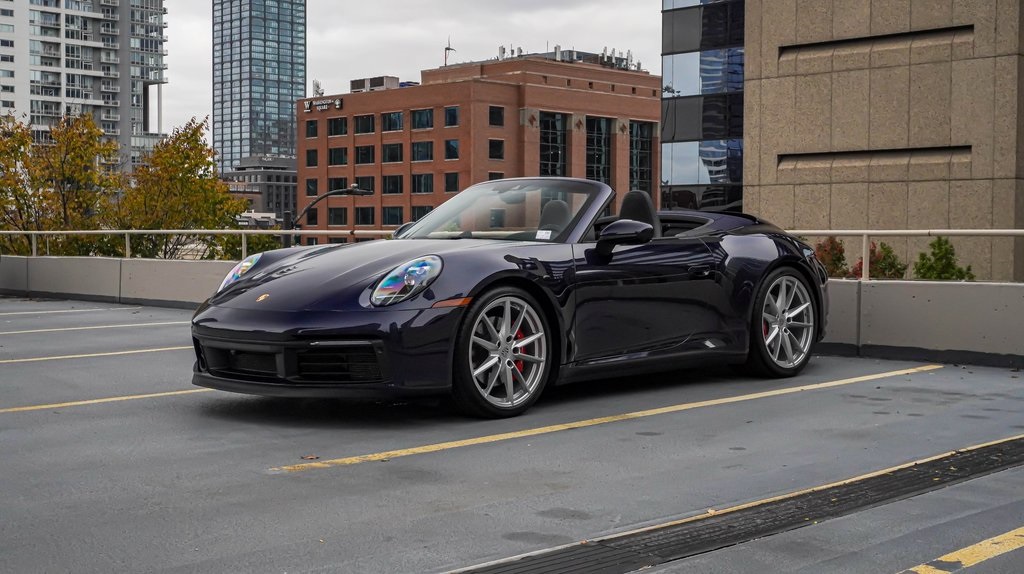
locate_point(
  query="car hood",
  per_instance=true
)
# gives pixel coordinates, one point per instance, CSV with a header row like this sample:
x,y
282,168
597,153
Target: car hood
x,y
333,277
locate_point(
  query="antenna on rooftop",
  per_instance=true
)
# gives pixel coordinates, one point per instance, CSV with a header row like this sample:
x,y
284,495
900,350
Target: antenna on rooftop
x,y
447,49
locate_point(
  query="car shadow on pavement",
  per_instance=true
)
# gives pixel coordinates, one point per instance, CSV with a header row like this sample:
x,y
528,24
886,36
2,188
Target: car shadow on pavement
x,y
561,402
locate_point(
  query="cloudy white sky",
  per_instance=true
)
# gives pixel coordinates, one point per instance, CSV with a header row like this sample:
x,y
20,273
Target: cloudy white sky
x,y
350,39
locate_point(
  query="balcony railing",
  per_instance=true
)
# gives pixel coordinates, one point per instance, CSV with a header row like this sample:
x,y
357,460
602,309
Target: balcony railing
x,y
864,234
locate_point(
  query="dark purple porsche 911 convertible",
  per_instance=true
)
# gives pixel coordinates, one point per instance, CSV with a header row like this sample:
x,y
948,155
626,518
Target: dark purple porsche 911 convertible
x,y
508,287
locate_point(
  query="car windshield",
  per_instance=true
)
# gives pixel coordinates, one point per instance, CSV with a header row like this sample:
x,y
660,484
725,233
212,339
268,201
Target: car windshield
x,y
543,210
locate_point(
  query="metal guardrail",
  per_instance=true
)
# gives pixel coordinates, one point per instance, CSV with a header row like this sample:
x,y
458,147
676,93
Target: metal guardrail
x,y
864,234
128,233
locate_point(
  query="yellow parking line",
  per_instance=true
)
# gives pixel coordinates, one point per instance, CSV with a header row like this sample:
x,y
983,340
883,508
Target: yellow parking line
x,y
387,455
93,327
972,555
90,355
101,401
9,314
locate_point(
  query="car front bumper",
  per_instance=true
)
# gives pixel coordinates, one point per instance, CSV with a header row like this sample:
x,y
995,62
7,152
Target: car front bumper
x,y
372,353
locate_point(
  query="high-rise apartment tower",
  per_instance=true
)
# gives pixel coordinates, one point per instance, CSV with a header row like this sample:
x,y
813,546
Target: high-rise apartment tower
x,y
259,71
69,57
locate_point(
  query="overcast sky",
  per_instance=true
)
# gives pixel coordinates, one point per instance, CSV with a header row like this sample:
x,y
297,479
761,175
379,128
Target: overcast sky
x,y
350,39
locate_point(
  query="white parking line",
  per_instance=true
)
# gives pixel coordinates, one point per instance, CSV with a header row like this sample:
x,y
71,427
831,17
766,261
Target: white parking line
x,y
94,327
9,314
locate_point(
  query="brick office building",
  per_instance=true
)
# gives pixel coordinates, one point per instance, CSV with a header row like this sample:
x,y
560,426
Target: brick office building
x,y
560,114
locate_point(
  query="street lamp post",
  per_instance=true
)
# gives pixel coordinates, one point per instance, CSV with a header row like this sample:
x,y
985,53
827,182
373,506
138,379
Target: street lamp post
x,y
293,223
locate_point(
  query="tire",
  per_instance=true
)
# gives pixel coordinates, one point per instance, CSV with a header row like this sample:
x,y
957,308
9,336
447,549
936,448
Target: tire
x,y
783,325
488,362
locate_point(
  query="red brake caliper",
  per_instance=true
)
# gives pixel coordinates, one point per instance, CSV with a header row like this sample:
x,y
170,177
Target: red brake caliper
x,y
519,364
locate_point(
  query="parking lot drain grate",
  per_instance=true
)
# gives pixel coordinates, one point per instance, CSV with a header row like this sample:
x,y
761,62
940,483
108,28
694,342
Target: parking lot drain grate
x,y
630,552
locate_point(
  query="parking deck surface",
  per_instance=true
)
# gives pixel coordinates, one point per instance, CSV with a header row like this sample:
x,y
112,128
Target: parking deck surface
x,y
111,461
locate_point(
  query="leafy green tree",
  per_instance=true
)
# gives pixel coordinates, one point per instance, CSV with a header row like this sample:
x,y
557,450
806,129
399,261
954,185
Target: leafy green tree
x,y
884,263
18,210
941,263
177,187
62,184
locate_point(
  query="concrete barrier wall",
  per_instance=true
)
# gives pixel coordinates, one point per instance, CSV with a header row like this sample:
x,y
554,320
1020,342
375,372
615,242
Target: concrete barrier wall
x,y
13,274
939,321
161,281
95,278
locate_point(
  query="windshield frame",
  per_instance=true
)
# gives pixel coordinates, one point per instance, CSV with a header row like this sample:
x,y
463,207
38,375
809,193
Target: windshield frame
x,y
598,195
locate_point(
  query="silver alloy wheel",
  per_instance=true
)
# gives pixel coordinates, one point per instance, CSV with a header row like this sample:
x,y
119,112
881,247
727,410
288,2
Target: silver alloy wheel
x,y
507,352
787,321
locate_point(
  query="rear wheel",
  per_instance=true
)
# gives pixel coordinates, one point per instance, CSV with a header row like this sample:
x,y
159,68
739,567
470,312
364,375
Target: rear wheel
x,y
502,355
783,328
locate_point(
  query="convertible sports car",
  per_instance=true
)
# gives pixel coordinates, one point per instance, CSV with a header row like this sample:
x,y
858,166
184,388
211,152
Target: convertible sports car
x,y
508,287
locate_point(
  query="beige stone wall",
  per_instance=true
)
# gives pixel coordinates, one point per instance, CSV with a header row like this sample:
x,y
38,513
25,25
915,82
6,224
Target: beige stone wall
x,y
888,114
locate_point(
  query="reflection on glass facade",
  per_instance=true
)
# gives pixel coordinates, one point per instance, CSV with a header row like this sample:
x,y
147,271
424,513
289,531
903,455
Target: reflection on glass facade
x,y
259,71
599,149
702,104
553,144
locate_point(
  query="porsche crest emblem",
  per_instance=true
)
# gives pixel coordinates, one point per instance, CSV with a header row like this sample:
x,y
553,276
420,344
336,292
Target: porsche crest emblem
x,y
263,297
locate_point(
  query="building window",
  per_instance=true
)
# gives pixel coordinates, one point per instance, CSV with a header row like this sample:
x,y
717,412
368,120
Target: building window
x,y
312,187
704,162
312,241
423,183
451,116
337,156
712,117
700,73
641,136
334,183
391,153
337,126
391,122
422,119
364,216
311,219
422,151
493,175
599,149
311,158
338,239
496,149
364,124
419,211
364,154
391,216
337,216
496,115
451,149
311,128
365,182
552,144
451,182
391,184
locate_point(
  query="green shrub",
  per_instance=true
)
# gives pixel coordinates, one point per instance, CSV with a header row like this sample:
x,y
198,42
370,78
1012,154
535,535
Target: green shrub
x,y
884,263
832,255
941,263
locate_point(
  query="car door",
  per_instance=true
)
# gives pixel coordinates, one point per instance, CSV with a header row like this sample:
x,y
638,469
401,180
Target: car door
x,y
648,299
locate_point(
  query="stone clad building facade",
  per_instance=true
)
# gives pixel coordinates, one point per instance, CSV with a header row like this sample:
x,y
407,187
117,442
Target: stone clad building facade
x,y
888,114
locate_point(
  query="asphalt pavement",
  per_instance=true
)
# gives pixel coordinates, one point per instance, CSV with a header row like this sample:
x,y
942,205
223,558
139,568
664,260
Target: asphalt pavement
x,y
111,461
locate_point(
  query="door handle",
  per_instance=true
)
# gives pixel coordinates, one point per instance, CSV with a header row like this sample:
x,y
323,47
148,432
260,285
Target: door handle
x,y
700,271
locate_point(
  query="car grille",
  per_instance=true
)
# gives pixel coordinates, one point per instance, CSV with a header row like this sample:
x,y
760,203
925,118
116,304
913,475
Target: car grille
x,y
356,362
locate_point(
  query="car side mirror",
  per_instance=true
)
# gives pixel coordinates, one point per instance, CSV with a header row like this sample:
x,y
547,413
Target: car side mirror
x,y
623,232
397,234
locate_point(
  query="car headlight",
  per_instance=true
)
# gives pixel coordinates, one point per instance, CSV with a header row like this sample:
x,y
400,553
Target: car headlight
x,y
406,280
236,273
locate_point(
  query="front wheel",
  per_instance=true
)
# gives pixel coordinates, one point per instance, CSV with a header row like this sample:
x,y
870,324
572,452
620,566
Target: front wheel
x,y
502,355
783,328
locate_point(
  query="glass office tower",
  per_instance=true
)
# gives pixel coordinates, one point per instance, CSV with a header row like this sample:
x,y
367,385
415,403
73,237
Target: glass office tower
x,y
702,104
259,71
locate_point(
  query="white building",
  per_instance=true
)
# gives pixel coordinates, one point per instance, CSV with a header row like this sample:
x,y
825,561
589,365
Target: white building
x,y
70,57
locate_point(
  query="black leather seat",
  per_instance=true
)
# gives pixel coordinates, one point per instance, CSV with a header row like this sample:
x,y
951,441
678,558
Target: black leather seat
x,y
555,216
638,206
